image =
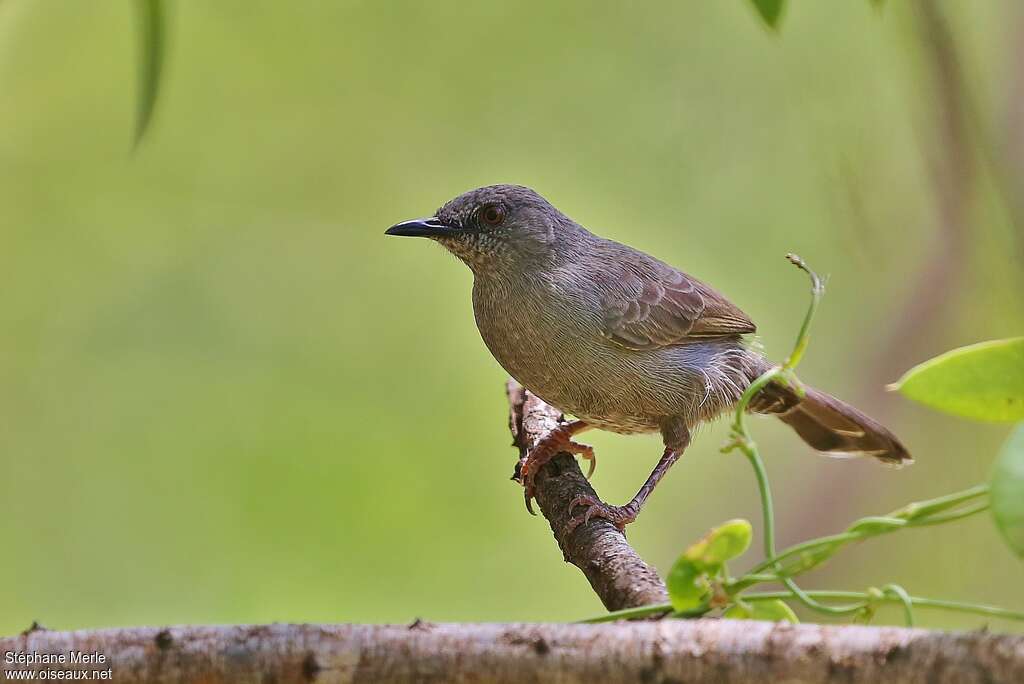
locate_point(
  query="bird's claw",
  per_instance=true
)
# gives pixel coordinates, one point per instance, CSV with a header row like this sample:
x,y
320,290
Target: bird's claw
x,y
620,516
529,505
528,494
586,452
543,451
525,477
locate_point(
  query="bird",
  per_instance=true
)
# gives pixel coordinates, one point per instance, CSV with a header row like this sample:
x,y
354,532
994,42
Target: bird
x,y
619,340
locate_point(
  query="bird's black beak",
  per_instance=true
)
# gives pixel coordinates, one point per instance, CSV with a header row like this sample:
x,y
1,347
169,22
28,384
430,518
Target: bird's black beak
x,y
424,227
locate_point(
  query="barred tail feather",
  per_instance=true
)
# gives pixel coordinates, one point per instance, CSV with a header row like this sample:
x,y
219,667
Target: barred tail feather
x,y
833,427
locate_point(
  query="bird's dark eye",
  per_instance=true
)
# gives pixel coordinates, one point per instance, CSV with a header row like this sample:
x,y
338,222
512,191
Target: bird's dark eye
x,y
492,215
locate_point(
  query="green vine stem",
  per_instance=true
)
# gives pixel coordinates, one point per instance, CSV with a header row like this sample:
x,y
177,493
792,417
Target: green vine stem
x,y
917,601
917,514
781,567
824,595
804,336
742,440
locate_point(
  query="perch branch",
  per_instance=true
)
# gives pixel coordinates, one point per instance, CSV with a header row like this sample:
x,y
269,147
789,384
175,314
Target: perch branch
x,y
618,575
694,651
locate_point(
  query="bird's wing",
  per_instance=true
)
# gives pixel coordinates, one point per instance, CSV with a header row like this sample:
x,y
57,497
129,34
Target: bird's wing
x,y
649,304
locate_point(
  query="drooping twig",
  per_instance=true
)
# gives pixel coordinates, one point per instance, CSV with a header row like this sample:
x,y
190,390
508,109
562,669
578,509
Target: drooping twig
x,y
953,171
618,575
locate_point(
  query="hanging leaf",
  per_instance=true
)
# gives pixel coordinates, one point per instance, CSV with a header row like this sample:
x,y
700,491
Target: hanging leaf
x,y
770,10
151,58
983,381
1007,491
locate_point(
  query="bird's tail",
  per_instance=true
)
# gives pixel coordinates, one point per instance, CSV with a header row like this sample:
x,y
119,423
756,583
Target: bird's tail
x,y
831,426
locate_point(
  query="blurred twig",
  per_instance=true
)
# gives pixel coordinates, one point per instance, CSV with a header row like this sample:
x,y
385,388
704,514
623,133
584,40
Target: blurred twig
x,y
1010,169
152,40
953,179
618,575
770,11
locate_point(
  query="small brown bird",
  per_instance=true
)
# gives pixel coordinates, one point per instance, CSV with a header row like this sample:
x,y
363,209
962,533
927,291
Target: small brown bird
x,y
618,339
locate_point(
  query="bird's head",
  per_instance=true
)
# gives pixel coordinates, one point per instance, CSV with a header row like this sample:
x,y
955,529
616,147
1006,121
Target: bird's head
x,y
494,227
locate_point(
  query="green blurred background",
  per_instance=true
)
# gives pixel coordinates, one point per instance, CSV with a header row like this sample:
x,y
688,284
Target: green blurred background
x,y
226,397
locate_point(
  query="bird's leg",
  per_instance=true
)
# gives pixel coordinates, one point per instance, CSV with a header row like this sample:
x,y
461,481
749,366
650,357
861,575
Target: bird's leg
x,y
620,516
554,442
677,437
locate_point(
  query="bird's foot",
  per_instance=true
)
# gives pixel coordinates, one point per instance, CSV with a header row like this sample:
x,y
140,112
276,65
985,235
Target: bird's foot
x,y
620,516
546,448
586,452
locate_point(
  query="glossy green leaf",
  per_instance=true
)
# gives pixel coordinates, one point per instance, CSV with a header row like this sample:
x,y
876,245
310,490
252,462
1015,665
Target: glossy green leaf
x,y
688,581
775,610
151,58
983,381
723,543
739,611
687,585
1007,491
876,524
770,10
865,615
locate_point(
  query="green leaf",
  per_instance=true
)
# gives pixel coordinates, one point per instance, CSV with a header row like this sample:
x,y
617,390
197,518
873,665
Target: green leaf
x,y
770,10
876,524
774,611
983,381
688,581
151,59
687,585
739,611
1007,491
723,543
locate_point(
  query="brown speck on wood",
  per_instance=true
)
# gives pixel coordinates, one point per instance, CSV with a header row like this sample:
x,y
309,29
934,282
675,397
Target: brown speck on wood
x,y
419,624
310,667
163,639
34,627
536,642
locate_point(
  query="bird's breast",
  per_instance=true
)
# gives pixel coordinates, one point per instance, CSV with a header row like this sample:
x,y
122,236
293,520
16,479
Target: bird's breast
x,y
527,331
546,340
